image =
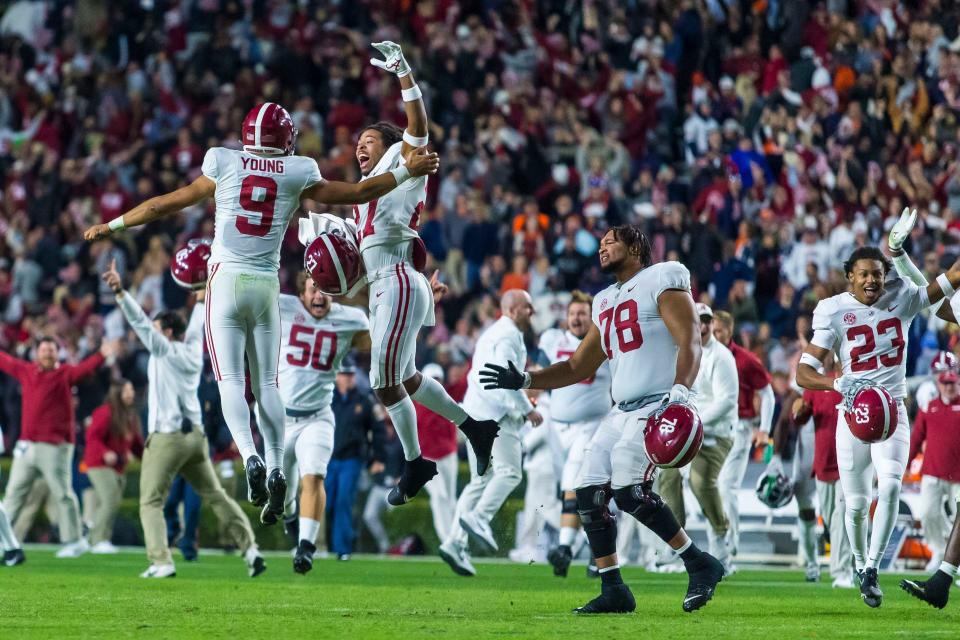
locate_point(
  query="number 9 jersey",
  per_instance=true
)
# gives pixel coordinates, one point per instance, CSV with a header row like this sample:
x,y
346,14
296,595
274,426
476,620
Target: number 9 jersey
x,y
255,198
641,350
872,339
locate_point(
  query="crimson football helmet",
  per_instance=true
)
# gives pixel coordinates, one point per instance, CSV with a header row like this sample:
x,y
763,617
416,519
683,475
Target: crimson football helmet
x,y
333,262
944,361
871,413
268,128
673,435
189,265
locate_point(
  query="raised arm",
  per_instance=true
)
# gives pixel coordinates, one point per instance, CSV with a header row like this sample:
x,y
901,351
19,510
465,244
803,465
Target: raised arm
x,y
12,365
419,162
416,134
156,208
155,342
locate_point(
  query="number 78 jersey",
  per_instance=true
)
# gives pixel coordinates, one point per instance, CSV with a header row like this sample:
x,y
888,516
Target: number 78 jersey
x,y
640,348
871,341
256,196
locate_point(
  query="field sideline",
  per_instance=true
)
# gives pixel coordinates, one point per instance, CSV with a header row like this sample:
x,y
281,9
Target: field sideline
x,y
101,596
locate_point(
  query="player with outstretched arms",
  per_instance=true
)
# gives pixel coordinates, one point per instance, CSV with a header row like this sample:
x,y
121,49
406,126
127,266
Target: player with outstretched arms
x,y
575,414
867,328
647,327
399,296
257,191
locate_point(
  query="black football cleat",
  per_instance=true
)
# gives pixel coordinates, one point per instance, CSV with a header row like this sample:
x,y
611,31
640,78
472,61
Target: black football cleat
x,y
277,495
704,576
613,598
870,588
13,557
416,473
303,560
934,591
560,559
256,481
291,527
481,434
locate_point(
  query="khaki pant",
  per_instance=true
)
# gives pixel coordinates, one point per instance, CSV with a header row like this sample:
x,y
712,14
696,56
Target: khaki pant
x,y
832,508
37,498
52,462
107,492
704,471
164,456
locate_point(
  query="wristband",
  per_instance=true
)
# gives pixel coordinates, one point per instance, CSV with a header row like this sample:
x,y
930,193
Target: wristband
x,y
945,285
412,94
415,141
116,224
527,380
808,359
401,174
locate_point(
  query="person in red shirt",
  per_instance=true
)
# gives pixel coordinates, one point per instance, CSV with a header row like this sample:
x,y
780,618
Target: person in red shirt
x,y
114,432
438,442
47,437
939,428
821,406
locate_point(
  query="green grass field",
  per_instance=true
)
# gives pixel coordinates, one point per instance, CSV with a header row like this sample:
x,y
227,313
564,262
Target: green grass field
x,y
102,597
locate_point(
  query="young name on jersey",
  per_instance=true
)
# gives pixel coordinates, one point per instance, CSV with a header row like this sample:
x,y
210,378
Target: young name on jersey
x,y
311,351
587,400
641,350
871,341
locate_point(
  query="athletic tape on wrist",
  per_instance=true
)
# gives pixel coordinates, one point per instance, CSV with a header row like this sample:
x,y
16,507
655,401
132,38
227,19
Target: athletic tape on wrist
x,y
116,224
527,380
808,359
415,141
945,285
412,94
401,174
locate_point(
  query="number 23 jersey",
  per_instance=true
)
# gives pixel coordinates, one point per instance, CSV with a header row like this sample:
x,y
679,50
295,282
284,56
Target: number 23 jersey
x,y
871,341
311,351
256,196
640,348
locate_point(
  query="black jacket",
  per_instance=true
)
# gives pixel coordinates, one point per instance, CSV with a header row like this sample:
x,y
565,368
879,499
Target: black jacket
x,y
358,434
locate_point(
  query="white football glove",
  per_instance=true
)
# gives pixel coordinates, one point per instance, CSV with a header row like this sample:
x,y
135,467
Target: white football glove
x,y
678,393
774,467
901,229
316,223
394,61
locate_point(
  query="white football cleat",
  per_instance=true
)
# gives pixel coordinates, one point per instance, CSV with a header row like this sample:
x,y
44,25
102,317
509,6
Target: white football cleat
x,y
159,571
456,557
479,530
104,547
812,573
74,549
843,582
255,562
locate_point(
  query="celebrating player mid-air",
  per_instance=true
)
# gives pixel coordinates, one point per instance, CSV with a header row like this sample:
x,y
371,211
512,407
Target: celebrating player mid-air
x,y
257,191
867,327
400,298
647,327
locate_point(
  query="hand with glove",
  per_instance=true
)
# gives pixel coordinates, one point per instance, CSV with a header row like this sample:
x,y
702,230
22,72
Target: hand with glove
x,y
493,376
678,393
774,467
901,229
393,61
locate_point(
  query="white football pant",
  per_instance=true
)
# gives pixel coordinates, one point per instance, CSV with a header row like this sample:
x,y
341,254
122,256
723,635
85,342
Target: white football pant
x,y
307,446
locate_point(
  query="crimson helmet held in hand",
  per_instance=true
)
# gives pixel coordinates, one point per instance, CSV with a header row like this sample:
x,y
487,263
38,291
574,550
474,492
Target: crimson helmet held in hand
x,y
944,361
333,262
871,413
268,129
189,264
673,435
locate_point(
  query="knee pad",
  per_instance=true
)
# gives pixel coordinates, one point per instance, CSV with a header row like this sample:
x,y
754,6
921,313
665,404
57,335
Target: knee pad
x,y
858,505
598,523
569,506
641,502
807,515
888,488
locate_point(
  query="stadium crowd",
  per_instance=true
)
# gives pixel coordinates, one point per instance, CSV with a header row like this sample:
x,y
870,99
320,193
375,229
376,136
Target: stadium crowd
x,y
756,142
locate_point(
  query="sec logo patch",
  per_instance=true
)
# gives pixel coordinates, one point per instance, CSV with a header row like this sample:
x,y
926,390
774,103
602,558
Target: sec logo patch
x,y
603,304
849,318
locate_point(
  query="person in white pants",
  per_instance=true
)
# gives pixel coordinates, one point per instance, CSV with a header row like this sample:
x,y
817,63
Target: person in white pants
x,y
438,442
939,428
484,495
543,463
9,545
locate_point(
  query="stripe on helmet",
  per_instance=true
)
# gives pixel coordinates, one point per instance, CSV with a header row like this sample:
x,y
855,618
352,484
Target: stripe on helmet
x,y
335,258
691,437
256,127
886,412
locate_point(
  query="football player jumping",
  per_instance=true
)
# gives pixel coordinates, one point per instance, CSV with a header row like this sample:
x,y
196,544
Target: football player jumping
x,y
867,327
257,191
400,298
647,327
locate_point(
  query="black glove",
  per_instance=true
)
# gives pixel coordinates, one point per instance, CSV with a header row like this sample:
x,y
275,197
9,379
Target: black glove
x,y
494,376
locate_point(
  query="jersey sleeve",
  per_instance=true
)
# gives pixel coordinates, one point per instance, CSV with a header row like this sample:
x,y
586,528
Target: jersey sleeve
x,y
210,167
312,173
548,341
356,318
823,333
913,298
673,275
411,183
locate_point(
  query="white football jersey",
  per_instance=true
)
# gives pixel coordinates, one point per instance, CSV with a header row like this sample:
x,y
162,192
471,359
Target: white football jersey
x,y
871,341
391,219
641,350
926,392
311,351
256,196
586,400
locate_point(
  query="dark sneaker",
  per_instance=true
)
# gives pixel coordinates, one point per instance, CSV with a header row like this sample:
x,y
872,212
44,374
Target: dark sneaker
x,y
303,560
934,591
277,495
481,434
560,559
705,574
416,473
613,598
870,588
13,557
256,481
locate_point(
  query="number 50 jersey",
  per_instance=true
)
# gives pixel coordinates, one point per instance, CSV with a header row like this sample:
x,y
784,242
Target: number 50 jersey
x,y
871,341
641,350
311,351
256,196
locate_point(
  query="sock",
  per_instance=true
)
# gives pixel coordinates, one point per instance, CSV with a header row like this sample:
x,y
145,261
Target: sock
x,y
271,425
611,575
433,396
567,536
855,519
949,569
236,413
884,518
404,418
808,542
309,529
8,540
689,552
